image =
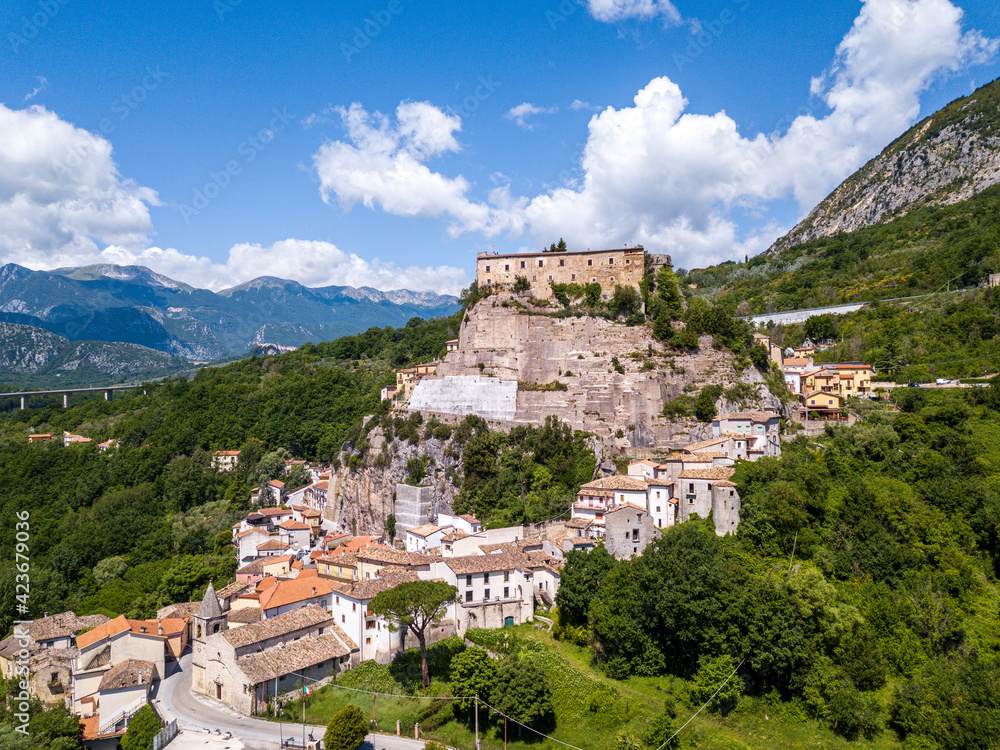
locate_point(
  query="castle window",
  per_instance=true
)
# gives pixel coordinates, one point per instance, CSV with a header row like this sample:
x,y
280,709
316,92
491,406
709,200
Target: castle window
x,y
534,278
562,262
550,278
590,261
487,269
540,263
612,278
593,280
506,267
627,261
611,261
522,264
572,277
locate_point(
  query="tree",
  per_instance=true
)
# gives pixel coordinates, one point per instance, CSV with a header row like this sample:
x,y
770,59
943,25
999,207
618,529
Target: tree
x,y
346,730
522,692
143,727
580,582
625,740
592,292
626,301
472,673
109,569
521,284
415,605
668,292
711,675
704,404
390,526
557,248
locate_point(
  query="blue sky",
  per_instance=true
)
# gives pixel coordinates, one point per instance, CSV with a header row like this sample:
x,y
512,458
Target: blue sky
x,y
385,143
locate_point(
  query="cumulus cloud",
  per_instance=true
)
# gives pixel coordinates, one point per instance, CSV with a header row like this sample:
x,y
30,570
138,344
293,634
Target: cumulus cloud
x,y
61,193
311,263
610,11
673,180
383,164
522,112
578,105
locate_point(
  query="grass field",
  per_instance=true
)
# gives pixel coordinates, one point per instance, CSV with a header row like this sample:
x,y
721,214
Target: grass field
x,y
590,709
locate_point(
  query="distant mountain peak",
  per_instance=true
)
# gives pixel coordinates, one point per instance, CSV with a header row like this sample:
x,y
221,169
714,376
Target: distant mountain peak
x,y
137,274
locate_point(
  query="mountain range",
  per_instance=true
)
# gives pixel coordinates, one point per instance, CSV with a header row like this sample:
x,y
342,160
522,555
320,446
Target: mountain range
x,y
134,305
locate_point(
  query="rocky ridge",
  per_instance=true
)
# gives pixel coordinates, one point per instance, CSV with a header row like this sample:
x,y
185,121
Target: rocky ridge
x,y
946,158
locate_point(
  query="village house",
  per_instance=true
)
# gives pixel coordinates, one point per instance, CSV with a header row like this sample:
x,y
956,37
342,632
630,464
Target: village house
x,y
761,430
823,405
40,437
71,439
254,571
352,611
709,491
428,536
628,529
295,534
290,594
377,560
342,568
245,667
225,460
495,590
464,522
270,493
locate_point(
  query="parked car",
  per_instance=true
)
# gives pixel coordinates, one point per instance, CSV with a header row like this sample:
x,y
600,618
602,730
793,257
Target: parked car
x,y
942,381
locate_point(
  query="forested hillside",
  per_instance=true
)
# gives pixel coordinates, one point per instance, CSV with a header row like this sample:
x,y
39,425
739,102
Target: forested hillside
x,y
860,589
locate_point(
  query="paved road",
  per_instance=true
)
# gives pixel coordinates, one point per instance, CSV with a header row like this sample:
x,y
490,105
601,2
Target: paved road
x,y
174,698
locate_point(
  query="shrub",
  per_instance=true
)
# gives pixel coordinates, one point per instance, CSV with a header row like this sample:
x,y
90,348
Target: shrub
x,y
710,675
521,284
704,405
679,408
346,730
143,727
617,366
852,713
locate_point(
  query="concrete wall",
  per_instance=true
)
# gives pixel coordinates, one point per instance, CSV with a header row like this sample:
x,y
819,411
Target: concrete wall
x,y
490,398
725,509
605,267
413,507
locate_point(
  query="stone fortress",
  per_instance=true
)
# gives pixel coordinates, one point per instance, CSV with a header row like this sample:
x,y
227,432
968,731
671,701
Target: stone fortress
x,y
624,266
510,348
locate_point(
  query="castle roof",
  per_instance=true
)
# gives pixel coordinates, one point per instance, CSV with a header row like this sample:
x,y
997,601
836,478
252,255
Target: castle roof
x,y
209,608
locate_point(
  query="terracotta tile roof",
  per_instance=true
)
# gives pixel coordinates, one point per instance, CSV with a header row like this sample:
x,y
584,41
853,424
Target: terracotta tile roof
x,y
275,512
311,513
424,531
579,523
645,462
232,589
294,590
92,728
286,658
9,647
108,629
272,544
390,556
705,443
660,482
453,535
226,453
624,506
504,560
342,560
360,542
241,534
246,615
756,416
130,673
364,590
724,483
469,518
291,525
181,609
310,616
616,482
62,625
252,567
716,472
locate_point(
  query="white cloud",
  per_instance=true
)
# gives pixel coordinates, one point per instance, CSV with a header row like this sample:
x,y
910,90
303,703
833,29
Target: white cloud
x,y
383,164
42,85
672,180
619,10
61,193
578,105
522,112
311,263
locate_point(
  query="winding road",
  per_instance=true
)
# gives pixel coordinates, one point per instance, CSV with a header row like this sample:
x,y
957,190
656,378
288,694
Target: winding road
x,y
173,697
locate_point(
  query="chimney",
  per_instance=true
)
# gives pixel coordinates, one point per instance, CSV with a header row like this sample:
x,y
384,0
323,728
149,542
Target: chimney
x,y
159,626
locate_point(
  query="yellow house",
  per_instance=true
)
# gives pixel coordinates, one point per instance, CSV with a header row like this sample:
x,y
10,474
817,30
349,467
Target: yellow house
x,y
824,380
855,378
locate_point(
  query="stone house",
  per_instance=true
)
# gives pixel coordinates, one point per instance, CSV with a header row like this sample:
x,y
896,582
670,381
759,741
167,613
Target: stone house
x,y
428,536
247,666
761,430
609,268
339,568
375,561
295,533
709,491
290,594
351,608
628,529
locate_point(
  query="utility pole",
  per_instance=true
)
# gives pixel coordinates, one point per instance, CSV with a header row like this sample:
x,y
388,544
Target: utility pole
x,y
478,746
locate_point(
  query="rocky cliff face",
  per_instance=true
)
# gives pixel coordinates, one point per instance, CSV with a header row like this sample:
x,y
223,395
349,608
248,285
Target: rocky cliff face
x,y
948,157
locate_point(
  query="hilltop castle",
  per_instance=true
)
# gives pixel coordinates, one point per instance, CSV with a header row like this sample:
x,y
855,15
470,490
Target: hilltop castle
x,y
624,266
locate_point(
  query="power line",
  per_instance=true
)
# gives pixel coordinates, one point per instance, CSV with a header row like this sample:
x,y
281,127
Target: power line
x,y
670,739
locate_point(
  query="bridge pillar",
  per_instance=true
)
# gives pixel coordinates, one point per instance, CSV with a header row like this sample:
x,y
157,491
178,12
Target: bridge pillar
x,y
24,402
107,394
66,401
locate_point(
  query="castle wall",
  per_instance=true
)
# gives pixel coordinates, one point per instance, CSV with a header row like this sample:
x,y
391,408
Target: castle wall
x,y
605,267
413,507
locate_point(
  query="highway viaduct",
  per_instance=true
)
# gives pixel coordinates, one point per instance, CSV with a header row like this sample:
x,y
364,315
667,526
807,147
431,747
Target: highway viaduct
x,y
67,393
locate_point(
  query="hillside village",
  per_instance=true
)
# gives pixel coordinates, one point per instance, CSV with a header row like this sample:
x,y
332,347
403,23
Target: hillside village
x,y
300,605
